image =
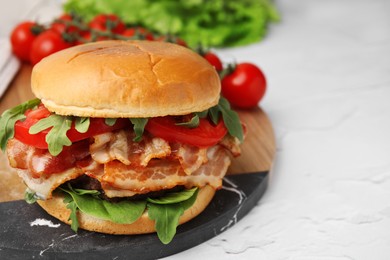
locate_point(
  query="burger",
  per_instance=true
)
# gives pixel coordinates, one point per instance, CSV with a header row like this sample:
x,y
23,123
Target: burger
x,y
124,137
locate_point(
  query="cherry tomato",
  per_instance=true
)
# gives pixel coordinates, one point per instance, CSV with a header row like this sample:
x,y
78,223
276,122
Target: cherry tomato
x,y
60,24
110,22
45,44
97,126
22,38
245,87
205,135
213,59
130,32
87,37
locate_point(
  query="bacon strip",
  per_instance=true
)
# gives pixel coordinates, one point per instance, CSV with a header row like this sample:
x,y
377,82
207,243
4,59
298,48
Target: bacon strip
x,y
163,174
39,162
44,186
122,166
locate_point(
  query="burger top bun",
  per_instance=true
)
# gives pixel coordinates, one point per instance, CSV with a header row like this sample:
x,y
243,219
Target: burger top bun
x,y
126,79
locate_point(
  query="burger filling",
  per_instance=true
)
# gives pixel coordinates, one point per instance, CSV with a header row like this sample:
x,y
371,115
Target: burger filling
x,y
117,159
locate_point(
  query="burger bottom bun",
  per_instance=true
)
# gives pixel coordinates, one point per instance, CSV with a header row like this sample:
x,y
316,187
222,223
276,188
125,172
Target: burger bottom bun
x,y
57,208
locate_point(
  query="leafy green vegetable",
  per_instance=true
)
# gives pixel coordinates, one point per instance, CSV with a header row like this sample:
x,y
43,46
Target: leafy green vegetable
x,y
89,203
56,138
231,119
139,127
229,116
214,114
167,217
110,121
71,204
30,196
166,210
210,23
174,197
9,118
167,220
82,124
193,123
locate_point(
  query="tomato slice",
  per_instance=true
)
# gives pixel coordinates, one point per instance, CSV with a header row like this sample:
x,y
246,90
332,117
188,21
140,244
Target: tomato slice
x,y
205,135
97,126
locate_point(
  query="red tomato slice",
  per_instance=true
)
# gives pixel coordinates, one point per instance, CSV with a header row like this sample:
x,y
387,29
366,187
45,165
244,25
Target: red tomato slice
x,y
205,135
97,126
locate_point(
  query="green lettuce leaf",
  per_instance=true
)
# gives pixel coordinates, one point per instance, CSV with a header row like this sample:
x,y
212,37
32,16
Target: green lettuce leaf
x,y
210,23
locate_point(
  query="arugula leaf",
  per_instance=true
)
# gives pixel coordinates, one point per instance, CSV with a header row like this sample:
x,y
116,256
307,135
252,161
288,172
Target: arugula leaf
x,y
214,114
166,210
138,126
110,121
166,217
125,211
10,117
202,114
229,116
193,123
30,196
88,202
82,124
174,197
56,138
73,215
231,119
81,192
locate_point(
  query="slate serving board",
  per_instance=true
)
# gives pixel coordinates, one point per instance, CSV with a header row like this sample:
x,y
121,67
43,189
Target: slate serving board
x,y
19,238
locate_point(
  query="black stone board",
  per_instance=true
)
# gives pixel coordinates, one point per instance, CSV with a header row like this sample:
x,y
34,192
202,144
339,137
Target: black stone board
x,y
21,240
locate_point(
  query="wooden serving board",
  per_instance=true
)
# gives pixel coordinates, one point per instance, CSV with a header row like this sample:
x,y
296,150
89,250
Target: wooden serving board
x,y
246,182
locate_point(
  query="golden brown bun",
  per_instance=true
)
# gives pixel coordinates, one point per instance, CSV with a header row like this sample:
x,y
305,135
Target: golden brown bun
x,y
126,79
143,225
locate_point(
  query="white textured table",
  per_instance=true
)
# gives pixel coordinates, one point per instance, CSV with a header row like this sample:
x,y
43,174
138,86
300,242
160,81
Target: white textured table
x,y
328,69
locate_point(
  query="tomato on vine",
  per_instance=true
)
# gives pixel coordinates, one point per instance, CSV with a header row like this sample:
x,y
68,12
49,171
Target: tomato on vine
x,y
133,31
47,43
60,24
214,60
107,22
22,38
245,86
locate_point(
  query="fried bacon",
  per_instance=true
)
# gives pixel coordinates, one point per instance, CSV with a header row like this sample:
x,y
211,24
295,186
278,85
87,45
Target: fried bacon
x,y
120,180
123,167
40,163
